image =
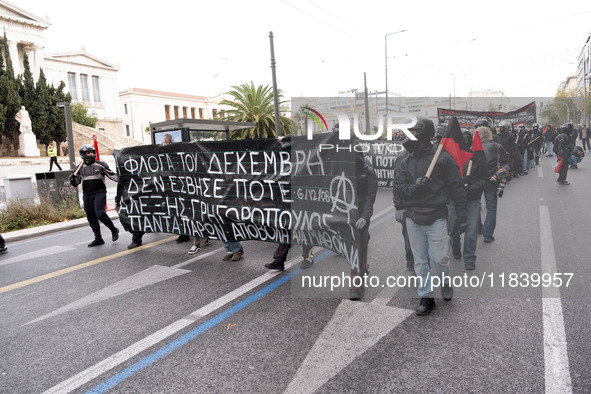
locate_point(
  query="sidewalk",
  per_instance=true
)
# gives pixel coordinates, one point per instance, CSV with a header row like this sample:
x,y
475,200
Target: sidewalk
x,y
29,166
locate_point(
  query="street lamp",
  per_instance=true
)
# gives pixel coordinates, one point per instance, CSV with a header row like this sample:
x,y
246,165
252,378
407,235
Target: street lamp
x,y
567,108
66,106
386,55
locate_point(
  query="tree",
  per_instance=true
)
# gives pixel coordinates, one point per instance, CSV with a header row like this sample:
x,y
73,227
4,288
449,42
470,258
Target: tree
x,y
40,108
254,104
9,96
57,120
80,115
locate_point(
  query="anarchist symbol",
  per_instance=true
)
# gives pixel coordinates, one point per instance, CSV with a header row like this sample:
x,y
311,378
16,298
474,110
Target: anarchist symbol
x,y
342,195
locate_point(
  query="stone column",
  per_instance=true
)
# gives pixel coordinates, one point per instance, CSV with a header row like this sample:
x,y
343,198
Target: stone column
x,y
16,64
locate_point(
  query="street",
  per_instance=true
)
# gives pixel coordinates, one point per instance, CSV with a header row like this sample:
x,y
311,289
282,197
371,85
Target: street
x,y
154,319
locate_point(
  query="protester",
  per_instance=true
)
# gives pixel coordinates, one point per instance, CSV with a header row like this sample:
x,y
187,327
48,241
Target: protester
x,y
425,200
536,143
584,136
506,139
563,147
280,256
91,173
577,155
475,182
52,151
549,141
496,158
3,248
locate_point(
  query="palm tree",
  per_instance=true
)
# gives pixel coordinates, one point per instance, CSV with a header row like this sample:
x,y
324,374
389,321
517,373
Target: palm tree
x,y
254,104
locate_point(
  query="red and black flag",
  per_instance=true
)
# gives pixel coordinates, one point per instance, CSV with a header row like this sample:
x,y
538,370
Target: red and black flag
x,y
478,151
454,143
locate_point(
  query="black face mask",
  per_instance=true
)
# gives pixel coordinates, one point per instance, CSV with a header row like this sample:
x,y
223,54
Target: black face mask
x,y
410,145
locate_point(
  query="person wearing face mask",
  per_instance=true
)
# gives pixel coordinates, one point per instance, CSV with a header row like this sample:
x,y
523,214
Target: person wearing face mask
x,y
425,201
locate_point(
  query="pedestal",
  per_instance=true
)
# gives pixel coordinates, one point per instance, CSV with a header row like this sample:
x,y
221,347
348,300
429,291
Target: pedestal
x,y
28,146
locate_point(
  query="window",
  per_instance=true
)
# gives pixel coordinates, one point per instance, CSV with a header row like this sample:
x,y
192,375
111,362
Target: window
x,y
84,87
200,113
176,111
185,112
127,133
72,86
167,112
214,112
125,109
96,91
192,112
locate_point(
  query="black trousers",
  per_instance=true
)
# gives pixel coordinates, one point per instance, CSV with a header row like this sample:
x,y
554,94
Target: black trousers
x,y
94,206
52,160
282,250
563,171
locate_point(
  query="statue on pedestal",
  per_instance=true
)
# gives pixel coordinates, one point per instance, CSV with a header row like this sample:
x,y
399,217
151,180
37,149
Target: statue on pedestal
x,y
27,140
22,116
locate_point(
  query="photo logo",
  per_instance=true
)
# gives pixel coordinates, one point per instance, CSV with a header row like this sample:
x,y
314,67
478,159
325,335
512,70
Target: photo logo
x,y
317,117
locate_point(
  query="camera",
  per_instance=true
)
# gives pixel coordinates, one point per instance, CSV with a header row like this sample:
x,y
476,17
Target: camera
x,y
500,178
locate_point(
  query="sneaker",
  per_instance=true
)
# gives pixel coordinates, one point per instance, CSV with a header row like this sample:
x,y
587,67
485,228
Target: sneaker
x,y
307,263
3,250
194,249
228,256
447,292
237,256
574,167
469,265
96,242
133,245
410,265
206,242
525,173
356,294
489,239
115,234
275,265
457,254
565,183
425,307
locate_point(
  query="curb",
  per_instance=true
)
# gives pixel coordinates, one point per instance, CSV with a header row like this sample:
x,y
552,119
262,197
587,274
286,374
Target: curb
x,y
20,235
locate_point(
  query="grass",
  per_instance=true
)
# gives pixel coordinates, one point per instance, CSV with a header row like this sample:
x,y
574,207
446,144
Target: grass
x,y
23,213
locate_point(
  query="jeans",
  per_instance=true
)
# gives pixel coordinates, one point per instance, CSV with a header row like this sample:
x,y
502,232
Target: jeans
x,y
428,242
490,222
232,247
471,234
574,160
407,249
549,148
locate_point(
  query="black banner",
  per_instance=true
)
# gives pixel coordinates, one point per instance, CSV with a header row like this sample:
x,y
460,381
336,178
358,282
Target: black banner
x,y
525,115
382,155
292,191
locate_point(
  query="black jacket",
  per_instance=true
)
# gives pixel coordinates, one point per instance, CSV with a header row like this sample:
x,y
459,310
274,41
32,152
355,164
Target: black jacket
x,y
445,185
507,140
92,177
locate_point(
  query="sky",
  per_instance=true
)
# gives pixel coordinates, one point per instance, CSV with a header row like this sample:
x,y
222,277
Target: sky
x,y
322,47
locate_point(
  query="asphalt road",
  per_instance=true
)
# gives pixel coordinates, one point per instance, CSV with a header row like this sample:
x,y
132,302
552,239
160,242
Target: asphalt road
x,y
154,319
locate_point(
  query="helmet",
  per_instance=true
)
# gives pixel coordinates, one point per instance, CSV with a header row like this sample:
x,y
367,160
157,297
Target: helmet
x,y
536,126
424,129
504,126
336,127
521,127
88,159
440,130
567,128
481,122
467,137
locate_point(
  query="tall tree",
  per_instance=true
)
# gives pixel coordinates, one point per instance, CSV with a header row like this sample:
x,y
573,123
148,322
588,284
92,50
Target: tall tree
x,y
57,121
40,109
254,104
9,95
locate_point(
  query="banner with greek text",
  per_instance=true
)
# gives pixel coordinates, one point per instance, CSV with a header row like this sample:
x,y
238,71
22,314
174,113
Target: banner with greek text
x,y
525,115
263,190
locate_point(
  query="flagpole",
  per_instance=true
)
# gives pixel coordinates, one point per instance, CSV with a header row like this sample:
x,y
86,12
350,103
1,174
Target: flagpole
x,y
434,161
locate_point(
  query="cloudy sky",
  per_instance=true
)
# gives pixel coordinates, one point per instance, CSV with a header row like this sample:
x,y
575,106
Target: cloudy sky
x,y
522,48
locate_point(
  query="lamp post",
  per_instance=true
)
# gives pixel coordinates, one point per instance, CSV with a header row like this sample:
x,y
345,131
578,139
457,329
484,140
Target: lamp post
x,y
66,106
386,56
567,108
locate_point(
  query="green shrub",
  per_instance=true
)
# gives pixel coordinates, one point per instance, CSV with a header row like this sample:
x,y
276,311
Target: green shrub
x,y
21,213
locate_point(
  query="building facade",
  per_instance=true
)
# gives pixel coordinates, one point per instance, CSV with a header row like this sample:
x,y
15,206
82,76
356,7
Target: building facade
x,y
140,107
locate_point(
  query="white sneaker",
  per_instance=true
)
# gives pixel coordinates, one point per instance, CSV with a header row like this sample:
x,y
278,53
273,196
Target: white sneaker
x,y
194,249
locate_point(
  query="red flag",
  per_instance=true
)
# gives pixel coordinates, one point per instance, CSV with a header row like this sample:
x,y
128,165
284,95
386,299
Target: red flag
x,y
478,158
454,144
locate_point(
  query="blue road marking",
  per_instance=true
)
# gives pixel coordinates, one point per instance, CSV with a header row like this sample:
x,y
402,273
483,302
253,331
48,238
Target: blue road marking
x,y
180,341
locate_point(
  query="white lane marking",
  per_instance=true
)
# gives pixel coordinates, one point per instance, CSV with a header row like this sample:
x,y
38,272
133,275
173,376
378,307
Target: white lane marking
x,y
39,254
557,371
147,277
